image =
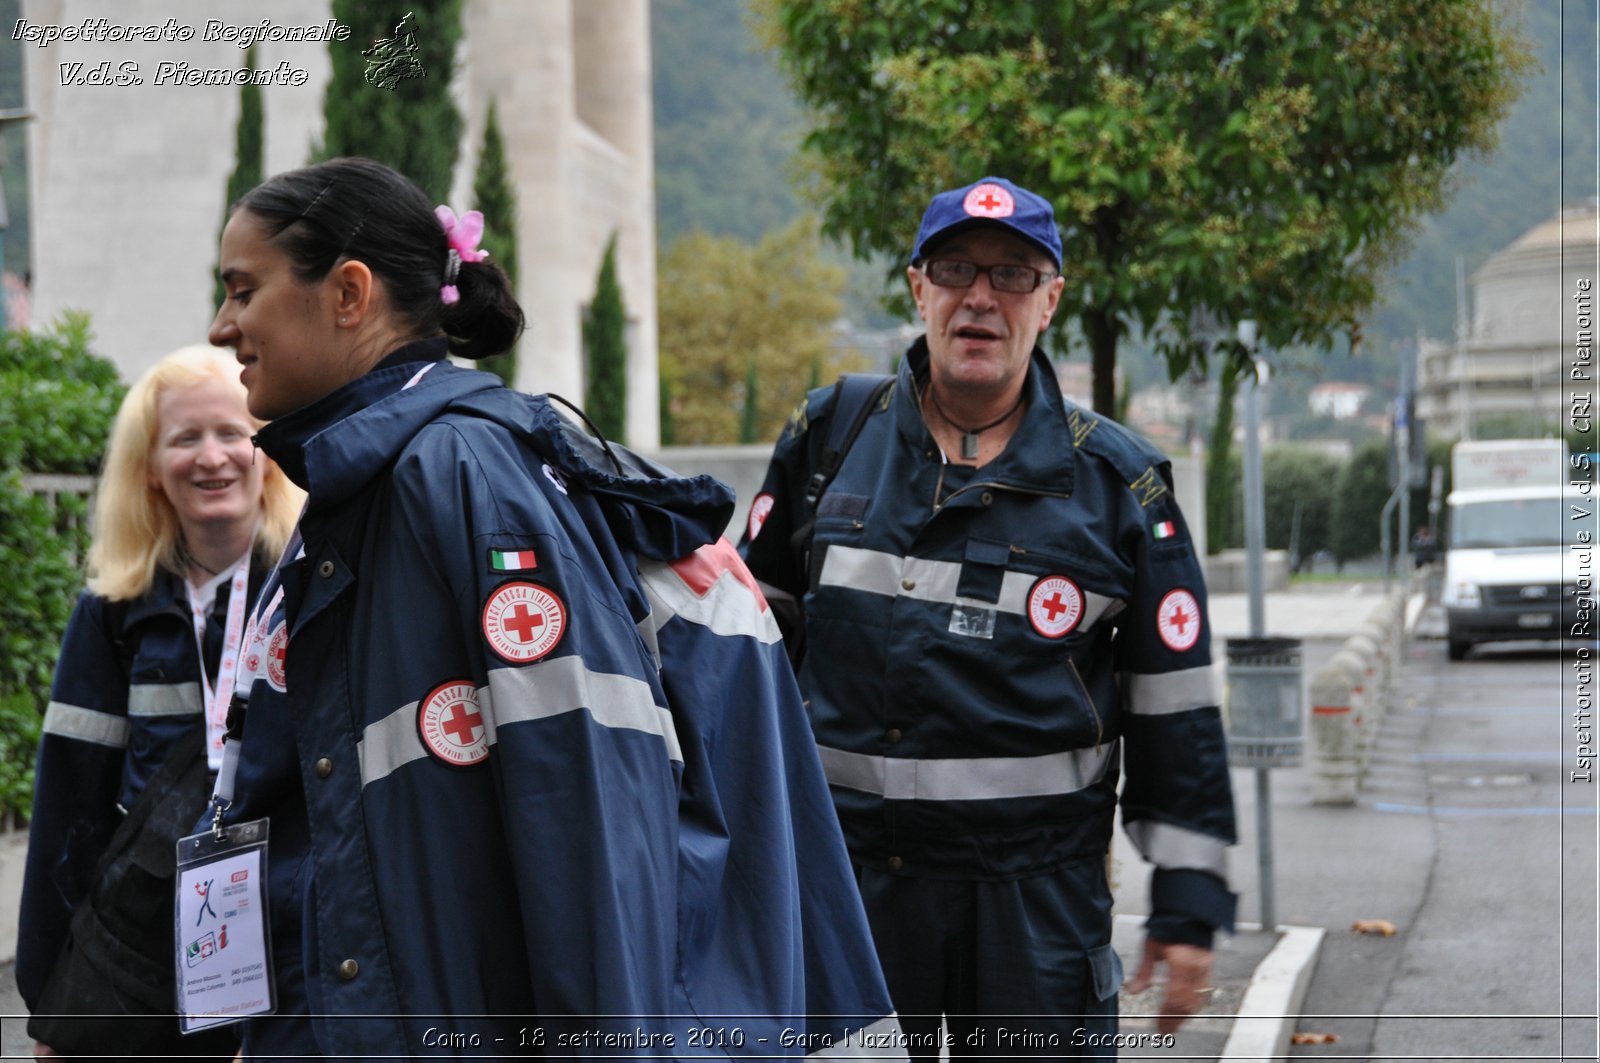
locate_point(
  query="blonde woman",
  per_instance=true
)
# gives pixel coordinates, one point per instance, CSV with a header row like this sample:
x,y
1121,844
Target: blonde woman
x,y
188,519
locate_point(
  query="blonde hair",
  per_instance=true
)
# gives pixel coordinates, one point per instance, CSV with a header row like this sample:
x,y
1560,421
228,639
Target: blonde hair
x,y
135,527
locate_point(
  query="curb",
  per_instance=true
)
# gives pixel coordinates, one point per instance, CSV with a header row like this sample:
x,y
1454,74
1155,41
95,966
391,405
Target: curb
x,y
1271,1005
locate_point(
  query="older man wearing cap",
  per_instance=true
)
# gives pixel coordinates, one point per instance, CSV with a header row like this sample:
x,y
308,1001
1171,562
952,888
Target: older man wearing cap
x,y
1002,612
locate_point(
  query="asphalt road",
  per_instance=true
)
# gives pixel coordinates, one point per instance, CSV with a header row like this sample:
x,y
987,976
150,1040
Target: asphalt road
x,y
1472,839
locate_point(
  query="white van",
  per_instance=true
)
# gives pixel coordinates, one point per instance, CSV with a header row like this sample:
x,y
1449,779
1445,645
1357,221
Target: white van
x,y
1510,521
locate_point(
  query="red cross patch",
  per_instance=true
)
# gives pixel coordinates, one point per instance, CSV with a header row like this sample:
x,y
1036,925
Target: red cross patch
x,y
277,650
451,724
523,621
1178,620
1055,605
989,201
759,509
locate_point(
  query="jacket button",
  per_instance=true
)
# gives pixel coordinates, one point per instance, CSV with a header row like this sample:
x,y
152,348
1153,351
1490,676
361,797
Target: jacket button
x,y
325,570
324,768
987,498
893,734
895,864
908,584
349,969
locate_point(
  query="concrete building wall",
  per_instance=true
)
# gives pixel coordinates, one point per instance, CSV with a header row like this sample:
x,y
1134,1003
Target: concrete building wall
x,y
128,180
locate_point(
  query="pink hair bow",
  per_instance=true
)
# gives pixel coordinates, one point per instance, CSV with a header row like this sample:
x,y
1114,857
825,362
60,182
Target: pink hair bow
x,y
463,235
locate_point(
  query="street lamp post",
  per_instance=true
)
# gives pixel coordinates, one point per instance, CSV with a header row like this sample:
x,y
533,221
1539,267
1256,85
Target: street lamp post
x,y
1265,727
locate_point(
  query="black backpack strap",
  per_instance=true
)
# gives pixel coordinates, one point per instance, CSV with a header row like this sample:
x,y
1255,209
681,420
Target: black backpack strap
x,y
854,398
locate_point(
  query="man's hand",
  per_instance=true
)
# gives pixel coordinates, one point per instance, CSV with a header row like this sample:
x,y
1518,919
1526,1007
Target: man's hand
x,y
1188,980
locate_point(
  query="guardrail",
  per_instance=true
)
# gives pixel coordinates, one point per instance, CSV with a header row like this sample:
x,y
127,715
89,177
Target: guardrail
x,y
1349,697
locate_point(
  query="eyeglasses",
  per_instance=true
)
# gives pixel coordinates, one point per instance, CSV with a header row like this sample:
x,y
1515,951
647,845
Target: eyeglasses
x,y
954,273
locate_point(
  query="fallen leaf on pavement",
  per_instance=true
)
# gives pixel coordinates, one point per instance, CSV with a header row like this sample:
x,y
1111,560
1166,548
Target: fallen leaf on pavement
x,y
1381,927
1314,1039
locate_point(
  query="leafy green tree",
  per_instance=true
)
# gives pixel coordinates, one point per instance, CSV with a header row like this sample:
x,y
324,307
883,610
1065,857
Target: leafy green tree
x,y
493,195
57,400
1361,492
605,397
1298,480
1208,161
728,309
413,127
248,168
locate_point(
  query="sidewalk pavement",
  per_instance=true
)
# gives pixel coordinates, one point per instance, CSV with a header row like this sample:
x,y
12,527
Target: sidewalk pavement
x,y
1261,976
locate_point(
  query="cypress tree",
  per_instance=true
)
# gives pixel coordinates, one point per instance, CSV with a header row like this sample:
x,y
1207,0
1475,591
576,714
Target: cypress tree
x,y
669,430
247,153
493,195
412,126
750,417
606,391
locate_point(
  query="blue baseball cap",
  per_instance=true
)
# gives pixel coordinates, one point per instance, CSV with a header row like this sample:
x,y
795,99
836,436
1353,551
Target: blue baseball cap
x,y
990,201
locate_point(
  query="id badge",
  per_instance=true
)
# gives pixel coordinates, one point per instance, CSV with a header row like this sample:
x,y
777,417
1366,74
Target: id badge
x,y
223,949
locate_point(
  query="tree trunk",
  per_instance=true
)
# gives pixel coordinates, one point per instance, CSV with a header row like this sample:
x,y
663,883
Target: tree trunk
x,y
1100,328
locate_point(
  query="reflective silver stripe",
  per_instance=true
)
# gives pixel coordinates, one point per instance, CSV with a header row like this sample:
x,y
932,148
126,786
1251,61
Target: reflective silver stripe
x,y
969,779
391,743
71,721
877,572
563,684
728,608
881,1040
534,692
163,699
1171,847
1163,693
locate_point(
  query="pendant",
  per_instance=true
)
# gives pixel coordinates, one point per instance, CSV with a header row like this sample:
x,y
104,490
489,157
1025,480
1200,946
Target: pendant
x,y
969,444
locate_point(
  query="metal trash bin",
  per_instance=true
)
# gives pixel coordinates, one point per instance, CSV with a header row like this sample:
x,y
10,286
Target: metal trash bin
x,y
1263,706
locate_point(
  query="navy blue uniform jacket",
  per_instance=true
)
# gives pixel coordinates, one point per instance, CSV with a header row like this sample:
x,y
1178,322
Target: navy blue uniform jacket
x,y
537,769
987,648
126,687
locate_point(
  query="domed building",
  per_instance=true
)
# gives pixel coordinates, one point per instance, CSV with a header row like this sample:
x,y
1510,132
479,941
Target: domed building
x,y
1513,361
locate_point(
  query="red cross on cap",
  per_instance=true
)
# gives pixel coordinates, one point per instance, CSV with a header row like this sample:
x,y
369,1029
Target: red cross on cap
x,y
989,200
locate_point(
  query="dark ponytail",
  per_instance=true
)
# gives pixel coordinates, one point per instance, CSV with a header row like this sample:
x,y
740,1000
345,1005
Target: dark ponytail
x,y
361,210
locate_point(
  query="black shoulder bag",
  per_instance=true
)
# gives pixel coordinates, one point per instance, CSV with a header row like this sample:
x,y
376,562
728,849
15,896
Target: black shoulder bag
x,y
113,988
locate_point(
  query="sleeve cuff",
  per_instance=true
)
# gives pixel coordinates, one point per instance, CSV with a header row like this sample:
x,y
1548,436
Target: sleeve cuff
x,y
1188,906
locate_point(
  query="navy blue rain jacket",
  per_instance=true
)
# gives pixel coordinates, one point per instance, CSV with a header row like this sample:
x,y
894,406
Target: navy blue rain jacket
x,y
537,772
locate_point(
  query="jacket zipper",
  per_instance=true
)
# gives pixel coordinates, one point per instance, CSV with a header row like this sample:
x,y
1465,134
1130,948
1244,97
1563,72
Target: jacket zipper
x,y
939,487
1099,727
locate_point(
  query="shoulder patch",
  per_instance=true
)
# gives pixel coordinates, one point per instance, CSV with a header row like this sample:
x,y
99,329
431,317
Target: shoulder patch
x,y
798,420
1080,426
1149,487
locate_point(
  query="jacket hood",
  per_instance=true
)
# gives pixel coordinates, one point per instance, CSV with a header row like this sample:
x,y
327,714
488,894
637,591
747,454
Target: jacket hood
x,y
649,508
352,435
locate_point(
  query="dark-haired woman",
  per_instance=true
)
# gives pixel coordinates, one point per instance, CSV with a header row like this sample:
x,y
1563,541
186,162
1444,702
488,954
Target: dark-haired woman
x,y
535,770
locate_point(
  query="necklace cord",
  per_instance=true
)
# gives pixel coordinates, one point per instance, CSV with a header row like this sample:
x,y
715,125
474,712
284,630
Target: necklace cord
x,y
971,431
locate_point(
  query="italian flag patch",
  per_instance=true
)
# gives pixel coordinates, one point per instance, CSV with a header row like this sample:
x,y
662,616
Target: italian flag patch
x,y
1165,530
512,560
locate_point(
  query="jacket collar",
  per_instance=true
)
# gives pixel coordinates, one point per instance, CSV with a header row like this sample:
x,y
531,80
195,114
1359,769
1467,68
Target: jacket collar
x,y
1041,455
333,446
648,507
